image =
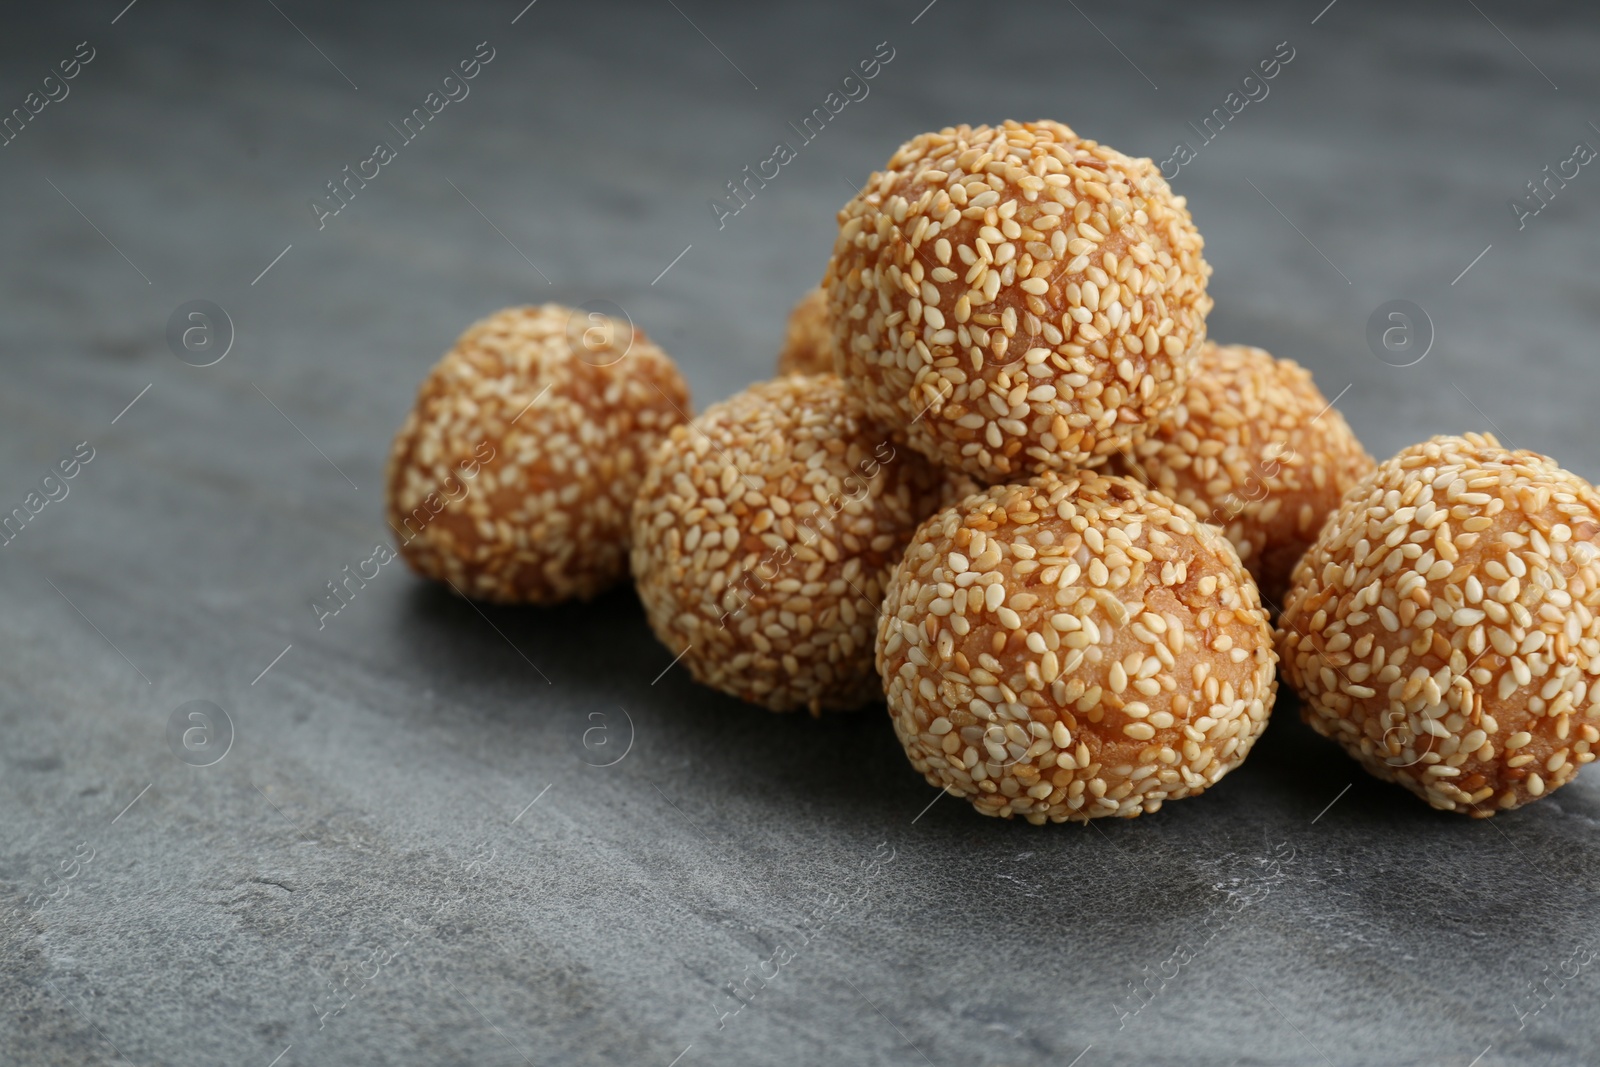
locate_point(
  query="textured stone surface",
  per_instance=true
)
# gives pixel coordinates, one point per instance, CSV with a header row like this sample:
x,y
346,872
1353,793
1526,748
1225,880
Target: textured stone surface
x,y
364,827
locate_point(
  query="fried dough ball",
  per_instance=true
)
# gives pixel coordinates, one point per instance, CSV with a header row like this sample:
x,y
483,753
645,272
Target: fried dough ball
x,y
1074,647
514,475
1443,627
808,347
764,534
1253,447
1016,299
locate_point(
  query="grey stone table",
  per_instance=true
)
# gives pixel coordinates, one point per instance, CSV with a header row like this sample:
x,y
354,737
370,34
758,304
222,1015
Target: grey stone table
x,y
413,850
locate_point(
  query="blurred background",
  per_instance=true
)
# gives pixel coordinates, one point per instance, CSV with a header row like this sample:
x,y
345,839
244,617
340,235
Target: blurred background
x,y
410,846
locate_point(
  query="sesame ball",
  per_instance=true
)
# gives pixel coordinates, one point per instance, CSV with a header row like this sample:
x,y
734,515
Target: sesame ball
x,y
1443,627
1253,447
957,486
1074,647
1016,299
808,347
514,475
763,537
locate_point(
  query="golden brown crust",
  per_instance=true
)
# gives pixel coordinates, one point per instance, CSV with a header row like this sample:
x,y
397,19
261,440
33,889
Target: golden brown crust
x,y
514,474
1443,627
1254,448
808,346
1073,647
763,536
1016,299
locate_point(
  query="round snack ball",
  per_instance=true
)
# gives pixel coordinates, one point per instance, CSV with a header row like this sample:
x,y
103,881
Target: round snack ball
x,y
1016,299
763,537
1073,647
1253,447
1443,627
514,475
808,348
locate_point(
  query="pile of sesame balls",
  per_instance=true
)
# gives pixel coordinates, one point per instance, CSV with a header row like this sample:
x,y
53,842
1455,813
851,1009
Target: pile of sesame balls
x,y
1006,483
